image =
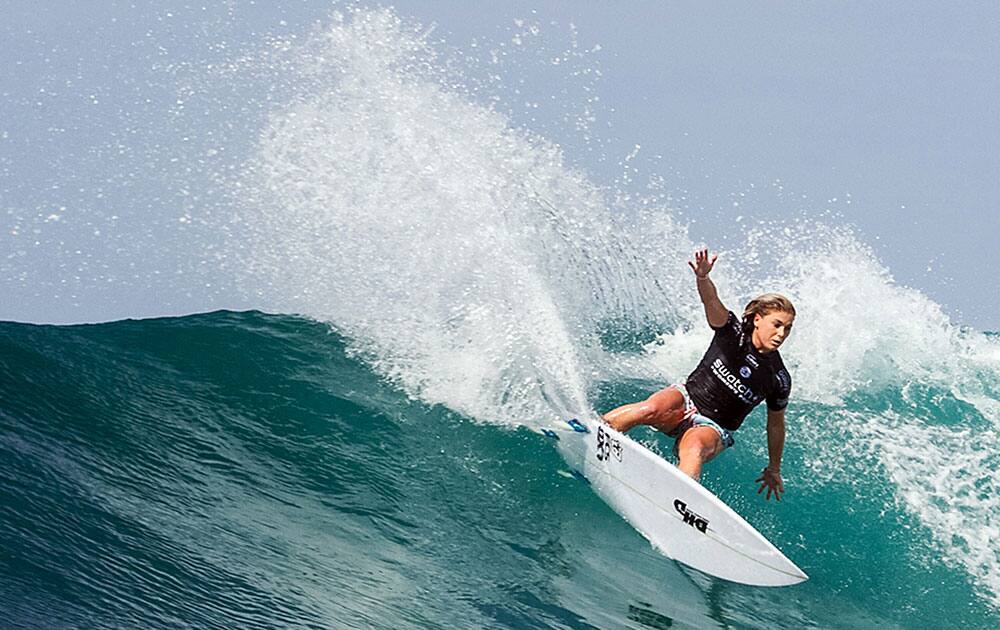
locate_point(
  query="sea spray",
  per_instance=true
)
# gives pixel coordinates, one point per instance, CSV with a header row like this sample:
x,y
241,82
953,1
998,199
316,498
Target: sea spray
x,y
461,256
898,387
472,267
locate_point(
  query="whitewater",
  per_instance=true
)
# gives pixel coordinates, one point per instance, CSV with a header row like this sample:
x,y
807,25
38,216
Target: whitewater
x,y
435,284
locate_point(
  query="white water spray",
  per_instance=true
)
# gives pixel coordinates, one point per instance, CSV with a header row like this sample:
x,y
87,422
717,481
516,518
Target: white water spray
x,y
462,256
472,267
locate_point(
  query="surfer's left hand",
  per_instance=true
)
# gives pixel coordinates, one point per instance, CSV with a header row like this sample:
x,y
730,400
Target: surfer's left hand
x,y
770,479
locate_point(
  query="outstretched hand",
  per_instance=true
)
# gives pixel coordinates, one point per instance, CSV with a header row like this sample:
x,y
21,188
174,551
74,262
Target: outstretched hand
x,y
702,265
770,479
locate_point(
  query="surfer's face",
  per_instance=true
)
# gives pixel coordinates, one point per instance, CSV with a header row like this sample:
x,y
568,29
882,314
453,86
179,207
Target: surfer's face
x,y
771,329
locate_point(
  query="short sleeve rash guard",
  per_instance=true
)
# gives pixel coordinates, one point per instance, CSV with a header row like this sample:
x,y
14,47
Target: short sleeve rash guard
x,y
733,378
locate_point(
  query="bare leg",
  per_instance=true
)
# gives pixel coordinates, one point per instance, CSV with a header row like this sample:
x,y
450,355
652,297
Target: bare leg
x,y
664,410
698,445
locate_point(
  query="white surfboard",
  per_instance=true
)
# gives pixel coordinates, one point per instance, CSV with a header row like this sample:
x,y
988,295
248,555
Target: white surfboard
x,y
678,515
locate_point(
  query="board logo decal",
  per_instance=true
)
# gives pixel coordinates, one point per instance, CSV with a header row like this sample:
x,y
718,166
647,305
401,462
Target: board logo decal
x,y
607,446
694,520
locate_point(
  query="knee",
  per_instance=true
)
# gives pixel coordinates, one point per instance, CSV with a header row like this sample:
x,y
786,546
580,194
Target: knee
x,y
698,444
695,452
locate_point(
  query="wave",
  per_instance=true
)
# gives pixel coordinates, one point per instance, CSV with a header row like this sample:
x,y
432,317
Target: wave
x,y
469,264
462,282
242,466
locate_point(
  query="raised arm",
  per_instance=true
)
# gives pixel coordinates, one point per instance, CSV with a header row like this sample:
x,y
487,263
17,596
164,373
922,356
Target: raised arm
x,y
715,311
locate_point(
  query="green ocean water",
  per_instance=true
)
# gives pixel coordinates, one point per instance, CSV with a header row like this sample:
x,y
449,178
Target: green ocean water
x,y
376,461
249,470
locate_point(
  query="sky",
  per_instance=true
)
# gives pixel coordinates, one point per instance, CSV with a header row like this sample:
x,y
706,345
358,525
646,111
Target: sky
x,y
882,116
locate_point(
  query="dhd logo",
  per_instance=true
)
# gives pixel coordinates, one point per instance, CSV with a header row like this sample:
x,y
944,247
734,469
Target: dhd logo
x,y
694,520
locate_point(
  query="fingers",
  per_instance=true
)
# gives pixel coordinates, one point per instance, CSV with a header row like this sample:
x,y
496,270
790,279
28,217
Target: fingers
x,y
702,262
763,485
701,256
770,489
773,484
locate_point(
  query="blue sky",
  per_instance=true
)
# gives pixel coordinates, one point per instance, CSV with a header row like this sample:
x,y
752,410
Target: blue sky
x,y
883,116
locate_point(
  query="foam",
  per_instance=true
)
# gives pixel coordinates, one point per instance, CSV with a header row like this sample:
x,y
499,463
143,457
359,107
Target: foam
x,y
856,329
462,256
474,268
861,343
946,477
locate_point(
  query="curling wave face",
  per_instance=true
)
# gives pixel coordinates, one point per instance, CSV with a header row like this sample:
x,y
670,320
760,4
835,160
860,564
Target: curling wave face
x,y
476,270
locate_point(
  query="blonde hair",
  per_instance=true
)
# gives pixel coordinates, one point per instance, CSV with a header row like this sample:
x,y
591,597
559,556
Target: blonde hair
x,y
764,304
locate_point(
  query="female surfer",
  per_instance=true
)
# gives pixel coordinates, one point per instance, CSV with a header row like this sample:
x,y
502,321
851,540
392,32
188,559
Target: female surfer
x,y
741,368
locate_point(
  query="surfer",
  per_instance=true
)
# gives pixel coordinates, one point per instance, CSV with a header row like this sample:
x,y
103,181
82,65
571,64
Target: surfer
x,y
741,368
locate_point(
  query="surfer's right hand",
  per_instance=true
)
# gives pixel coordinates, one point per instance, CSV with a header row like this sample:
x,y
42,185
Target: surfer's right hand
x,y
702,266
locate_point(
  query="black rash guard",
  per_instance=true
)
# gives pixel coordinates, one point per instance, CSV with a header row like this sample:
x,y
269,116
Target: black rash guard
x,y
733,377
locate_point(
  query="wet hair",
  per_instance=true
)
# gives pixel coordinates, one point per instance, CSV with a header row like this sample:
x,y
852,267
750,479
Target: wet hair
x,y
762,305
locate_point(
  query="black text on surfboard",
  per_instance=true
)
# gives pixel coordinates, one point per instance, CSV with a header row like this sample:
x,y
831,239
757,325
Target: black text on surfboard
x,y
606,445
692,519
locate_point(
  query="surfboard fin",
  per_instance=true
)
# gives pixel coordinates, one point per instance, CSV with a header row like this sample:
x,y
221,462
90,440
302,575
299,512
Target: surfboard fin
x,y
577,426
